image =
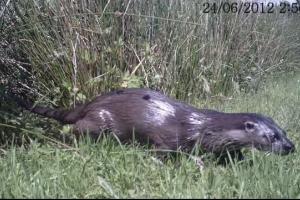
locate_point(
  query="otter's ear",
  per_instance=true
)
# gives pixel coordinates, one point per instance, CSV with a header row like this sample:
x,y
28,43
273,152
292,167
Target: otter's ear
x,y
249,126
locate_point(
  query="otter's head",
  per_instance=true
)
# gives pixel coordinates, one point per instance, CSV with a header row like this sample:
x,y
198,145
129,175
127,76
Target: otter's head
x,y
267,135
258,131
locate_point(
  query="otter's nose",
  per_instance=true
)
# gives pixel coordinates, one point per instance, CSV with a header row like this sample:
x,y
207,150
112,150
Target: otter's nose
x,y
290,147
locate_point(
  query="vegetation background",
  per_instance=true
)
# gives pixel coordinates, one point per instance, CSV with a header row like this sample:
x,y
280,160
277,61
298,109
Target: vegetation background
x,y
59,52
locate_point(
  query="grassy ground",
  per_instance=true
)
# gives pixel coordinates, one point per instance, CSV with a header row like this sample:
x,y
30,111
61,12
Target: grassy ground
x,y
107,169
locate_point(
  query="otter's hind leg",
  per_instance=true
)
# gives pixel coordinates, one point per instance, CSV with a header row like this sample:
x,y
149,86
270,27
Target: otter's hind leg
x,y
88,127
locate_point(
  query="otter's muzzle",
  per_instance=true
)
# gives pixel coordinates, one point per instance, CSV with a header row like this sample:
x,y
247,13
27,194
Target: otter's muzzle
x,y
289,148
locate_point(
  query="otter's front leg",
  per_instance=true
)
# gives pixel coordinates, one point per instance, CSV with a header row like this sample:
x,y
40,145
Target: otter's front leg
x,y
234,155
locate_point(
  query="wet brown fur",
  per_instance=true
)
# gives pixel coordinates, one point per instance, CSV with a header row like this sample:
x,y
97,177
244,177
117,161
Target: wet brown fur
x,y
133,110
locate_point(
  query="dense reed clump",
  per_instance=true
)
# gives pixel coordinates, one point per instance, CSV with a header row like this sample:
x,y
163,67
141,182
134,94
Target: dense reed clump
x,y
80,48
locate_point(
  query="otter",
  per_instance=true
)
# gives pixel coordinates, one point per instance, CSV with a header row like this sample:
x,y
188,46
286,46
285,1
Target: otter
x,y
170,124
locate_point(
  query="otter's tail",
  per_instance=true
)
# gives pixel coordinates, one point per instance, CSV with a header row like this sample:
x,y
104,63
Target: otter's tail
x,y
63,116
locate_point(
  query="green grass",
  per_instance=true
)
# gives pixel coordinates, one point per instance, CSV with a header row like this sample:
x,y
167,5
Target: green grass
x,y
109,170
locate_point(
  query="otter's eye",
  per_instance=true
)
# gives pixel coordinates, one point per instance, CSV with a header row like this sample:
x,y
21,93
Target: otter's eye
x,y
249,126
